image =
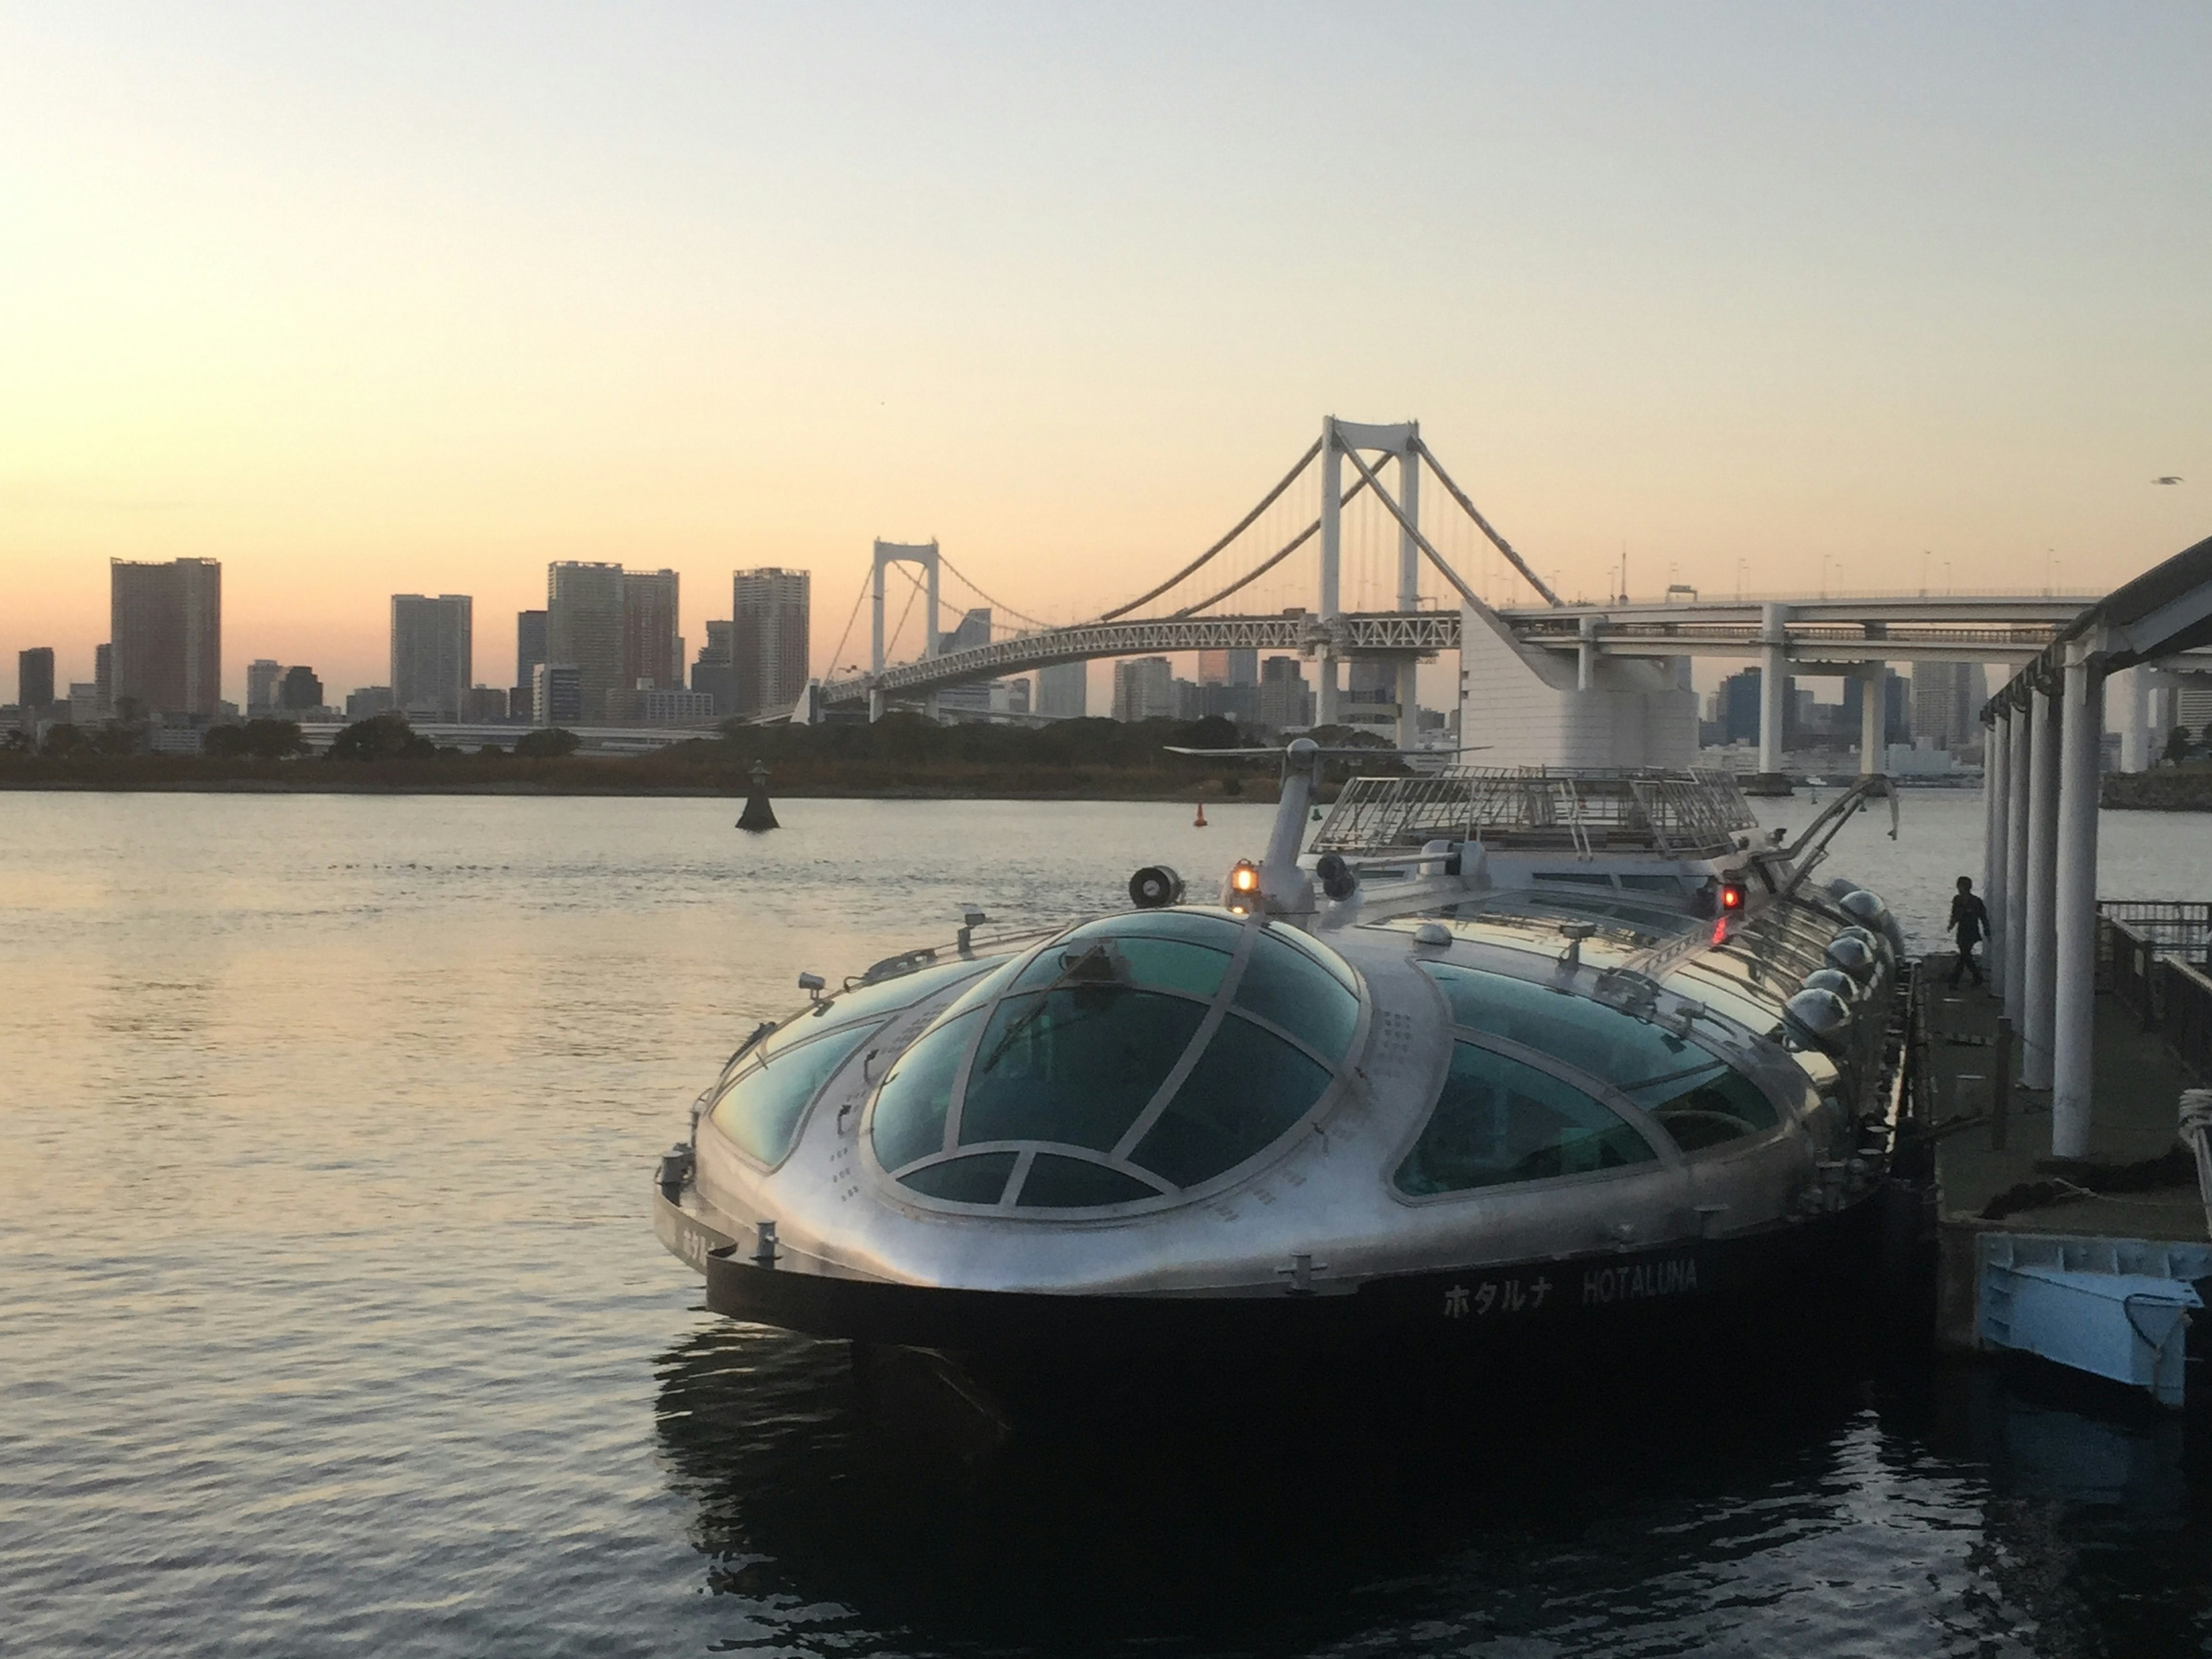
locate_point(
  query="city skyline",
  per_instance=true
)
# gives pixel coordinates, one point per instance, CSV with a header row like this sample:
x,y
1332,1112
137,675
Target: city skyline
x,y
1905,291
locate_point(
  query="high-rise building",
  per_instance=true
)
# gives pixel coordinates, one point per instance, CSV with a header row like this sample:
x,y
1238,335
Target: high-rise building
x,y
584,632
529,643
485,705
1143,688
1947,703
262,675
1064,690
975,629
712,674
433,654
300,691
363,701
164,622
1897,710
1285,700
652,649
1371,694
103,675
34,678
771,616
1237,666
556,694
84,702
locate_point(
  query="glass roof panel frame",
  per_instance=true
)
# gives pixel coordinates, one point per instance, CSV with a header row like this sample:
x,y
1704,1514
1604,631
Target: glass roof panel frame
x,y
862,1031
1599,1088
1219,1007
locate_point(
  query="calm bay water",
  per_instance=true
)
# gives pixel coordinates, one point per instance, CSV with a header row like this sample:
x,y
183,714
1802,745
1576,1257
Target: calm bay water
x,y
332,1321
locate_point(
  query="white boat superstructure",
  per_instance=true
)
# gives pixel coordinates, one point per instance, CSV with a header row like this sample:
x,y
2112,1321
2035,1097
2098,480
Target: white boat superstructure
x,y
1496,1053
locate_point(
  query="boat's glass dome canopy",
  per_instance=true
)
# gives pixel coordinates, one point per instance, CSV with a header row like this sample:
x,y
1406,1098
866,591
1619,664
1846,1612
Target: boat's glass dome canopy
x,y
1129,1059
766,1089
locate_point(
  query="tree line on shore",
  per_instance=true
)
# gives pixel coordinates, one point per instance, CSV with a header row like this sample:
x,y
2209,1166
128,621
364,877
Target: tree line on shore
x,y
900,746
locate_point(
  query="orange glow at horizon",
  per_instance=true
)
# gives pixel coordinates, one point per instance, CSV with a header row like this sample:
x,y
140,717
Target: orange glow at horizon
x,y
316,296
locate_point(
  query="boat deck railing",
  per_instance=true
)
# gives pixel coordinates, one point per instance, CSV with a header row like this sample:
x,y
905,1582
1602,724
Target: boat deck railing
x,y
1691,814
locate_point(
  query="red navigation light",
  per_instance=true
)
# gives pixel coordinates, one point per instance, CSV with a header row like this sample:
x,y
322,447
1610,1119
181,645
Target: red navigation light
x,y
1731,895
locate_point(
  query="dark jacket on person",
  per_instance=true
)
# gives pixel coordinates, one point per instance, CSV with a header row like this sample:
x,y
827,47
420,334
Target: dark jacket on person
x,y
1970,918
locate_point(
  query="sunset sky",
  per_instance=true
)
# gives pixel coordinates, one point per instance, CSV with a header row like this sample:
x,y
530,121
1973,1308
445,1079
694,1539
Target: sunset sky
x,y
397,298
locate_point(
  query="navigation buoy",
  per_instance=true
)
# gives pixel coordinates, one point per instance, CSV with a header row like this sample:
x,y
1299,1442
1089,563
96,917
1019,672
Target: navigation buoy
x,y
759,814
1200,822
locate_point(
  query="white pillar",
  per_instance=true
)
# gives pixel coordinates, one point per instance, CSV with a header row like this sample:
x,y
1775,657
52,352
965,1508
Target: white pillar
x,y
934,641
1996,843
1873,719
2135,718
1405,674
876,613
1586,655
1774,660
2042,940
1332,549
2075,1012
2017,743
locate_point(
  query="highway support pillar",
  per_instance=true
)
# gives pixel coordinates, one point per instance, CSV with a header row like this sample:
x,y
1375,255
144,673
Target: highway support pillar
x,y
1873,719
2075,988
1406,674
1327,712
2042,940
1996,846
2017,743
1774,661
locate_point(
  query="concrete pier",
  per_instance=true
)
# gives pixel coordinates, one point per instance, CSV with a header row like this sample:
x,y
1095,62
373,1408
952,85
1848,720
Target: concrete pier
x,y
2137,1080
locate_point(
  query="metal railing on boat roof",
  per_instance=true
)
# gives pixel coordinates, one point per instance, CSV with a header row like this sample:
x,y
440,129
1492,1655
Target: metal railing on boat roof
x,y
1694,814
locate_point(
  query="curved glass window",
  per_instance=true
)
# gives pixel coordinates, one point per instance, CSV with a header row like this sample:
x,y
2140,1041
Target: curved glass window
x,y
1499,1122
917,1093
1696,1096
1217,929
1291,987
1195,970
979,1178
869,1002
1076,1064
760,1108
1055,1183
1247,1088
1129,1057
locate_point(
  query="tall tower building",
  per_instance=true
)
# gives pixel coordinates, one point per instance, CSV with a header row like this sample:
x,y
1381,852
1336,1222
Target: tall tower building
x,y
433,654
770,623
529,652
653,651
584,613
34,678
1064,690
1237,666
1143,688
1946,702
165,624
262,675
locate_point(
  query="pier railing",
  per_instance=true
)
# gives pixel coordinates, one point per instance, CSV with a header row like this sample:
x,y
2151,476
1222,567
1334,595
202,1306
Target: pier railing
x,y
2154,956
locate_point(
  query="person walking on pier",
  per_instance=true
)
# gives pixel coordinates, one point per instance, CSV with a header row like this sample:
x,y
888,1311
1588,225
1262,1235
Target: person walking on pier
x,y
1970,920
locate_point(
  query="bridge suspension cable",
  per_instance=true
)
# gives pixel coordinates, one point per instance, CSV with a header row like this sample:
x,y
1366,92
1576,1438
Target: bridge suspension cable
x,y
998,605
1241,526
1271,559
1475,513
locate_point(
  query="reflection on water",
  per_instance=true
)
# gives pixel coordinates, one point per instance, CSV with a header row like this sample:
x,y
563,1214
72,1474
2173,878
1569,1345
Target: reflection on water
x,y
1863,1507
330,1318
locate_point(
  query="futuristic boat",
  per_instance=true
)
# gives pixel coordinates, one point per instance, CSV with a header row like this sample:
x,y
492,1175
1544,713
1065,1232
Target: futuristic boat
x,y
1498,1055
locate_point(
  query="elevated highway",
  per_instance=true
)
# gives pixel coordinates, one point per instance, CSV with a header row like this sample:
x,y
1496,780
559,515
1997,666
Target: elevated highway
x,y
1815,633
